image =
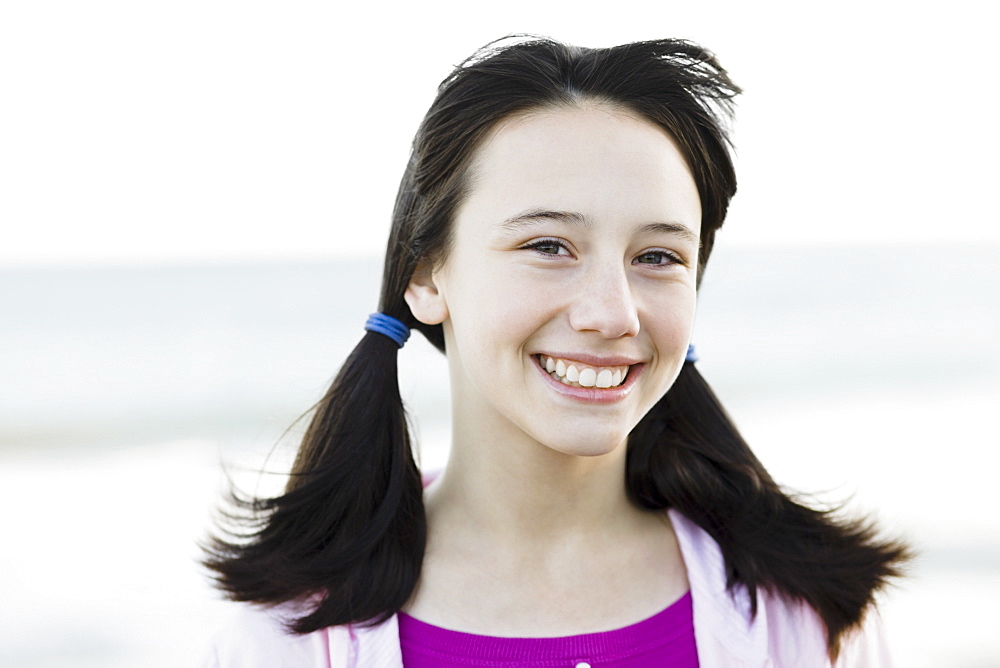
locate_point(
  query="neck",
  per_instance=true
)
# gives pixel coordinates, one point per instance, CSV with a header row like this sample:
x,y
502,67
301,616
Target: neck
x,y
524,540
518,491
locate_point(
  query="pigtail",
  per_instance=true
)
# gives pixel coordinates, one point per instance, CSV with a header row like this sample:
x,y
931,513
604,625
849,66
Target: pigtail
x,y
687,454
347,537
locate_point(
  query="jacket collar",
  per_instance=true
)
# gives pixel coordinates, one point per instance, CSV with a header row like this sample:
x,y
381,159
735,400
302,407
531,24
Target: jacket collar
x,y
725,632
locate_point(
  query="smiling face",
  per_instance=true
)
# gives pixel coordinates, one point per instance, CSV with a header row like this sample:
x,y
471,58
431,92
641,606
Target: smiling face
x,y
568,293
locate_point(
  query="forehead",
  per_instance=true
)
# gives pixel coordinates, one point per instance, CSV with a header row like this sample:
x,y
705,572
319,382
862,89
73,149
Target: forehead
x,y
596,159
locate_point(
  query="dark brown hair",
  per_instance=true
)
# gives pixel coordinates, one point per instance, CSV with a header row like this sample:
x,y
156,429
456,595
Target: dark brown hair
x,y
349,531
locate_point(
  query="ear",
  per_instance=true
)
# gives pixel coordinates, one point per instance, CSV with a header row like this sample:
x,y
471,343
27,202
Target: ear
x,y
424,297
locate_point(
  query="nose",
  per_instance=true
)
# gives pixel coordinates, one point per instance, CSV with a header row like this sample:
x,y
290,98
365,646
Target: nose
x,y
605,303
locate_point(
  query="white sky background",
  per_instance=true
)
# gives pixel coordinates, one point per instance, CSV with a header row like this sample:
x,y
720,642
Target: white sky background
x,y
188,130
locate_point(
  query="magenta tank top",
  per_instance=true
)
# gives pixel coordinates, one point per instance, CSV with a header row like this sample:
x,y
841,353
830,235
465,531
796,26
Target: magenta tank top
x,y
665,640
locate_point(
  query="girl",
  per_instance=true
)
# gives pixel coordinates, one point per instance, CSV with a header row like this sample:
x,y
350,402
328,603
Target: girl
x,y
598,506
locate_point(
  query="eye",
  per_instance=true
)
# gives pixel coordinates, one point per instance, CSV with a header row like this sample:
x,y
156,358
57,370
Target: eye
x,y
658,257
547,247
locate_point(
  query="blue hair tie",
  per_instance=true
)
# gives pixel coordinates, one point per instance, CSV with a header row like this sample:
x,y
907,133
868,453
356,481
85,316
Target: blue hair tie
x,y
388,326
691,355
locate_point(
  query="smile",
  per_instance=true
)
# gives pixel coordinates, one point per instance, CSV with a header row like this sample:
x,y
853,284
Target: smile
x,y
578,374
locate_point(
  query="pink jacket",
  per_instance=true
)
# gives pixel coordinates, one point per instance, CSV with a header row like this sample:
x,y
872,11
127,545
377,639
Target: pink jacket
x,y
784,634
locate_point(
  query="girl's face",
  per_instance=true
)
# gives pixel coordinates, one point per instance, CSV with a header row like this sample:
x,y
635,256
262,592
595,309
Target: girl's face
x,y
568,294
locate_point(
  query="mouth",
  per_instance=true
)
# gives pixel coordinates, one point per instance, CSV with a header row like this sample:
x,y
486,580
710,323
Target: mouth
x,y
574,373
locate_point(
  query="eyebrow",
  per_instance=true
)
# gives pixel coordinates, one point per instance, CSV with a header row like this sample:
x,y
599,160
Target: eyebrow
x,y
533,216
682,231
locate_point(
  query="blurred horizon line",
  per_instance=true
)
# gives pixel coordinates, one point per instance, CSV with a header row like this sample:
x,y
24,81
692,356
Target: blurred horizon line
x,y
984,245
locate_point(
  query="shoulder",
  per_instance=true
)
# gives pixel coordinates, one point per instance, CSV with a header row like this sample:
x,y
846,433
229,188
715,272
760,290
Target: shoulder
x,y
258,637
796,632
867,646
784,632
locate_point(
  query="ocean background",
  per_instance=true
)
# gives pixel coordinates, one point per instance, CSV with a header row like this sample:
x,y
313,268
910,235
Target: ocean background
x,y
129,393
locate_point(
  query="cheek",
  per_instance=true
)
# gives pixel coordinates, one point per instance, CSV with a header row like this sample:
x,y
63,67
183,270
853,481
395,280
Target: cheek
x,y
493,314
668,312
670,329
673,327
508,302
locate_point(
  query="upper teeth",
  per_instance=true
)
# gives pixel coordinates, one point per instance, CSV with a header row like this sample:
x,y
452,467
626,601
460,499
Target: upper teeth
x,y
578,374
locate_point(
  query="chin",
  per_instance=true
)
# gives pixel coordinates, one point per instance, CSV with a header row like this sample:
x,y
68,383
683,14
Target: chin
x,y
585,447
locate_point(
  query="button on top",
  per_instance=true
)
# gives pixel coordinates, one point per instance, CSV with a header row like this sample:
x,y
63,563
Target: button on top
x,y
582,664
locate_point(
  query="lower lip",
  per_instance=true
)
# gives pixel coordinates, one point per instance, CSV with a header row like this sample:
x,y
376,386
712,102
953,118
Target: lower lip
x,y
593,395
